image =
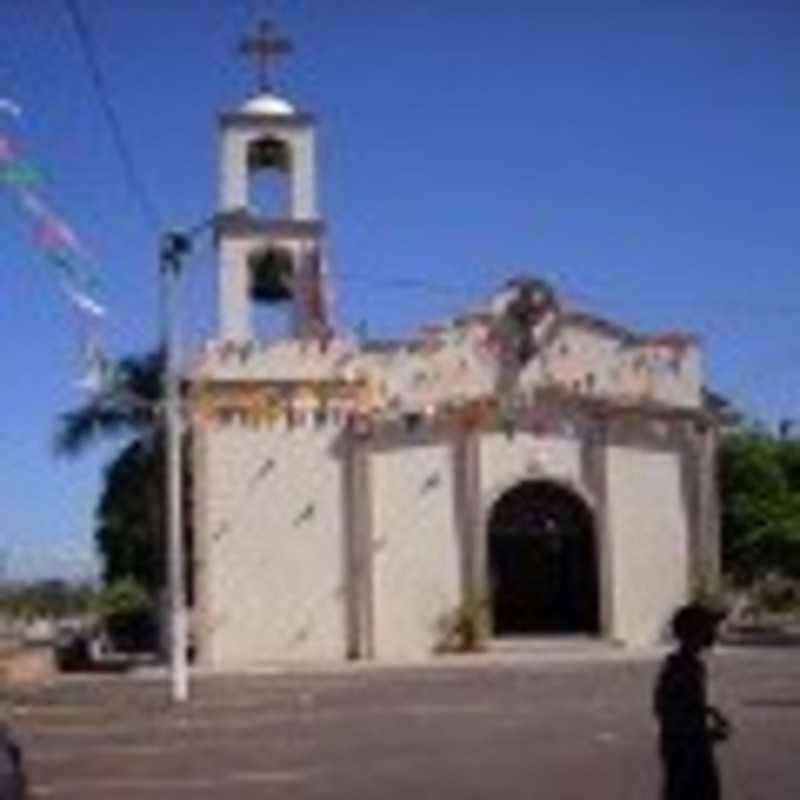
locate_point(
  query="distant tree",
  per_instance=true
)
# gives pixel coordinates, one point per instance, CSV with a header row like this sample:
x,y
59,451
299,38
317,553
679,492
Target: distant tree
x,y
50,597
789,457
759,481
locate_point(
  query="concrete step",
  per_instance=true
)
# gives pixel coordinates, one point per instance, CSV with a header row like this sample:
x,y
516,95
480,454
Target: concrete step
x,y
553,645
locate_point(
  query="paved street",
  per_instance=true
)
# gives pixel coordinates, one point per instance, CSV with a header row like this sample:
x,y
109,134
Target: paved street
x,y
525,726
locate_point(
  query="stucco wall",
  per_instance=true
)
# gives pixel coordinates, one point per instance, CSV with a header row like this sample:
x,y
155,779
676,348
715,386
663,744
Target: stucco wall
x,y
272,571
597,364
648,531
416,579
506,461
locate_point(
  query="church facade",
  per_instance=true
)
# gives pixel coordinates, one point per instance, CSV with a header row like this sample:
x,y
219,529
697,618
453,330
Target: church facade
x,y
527,464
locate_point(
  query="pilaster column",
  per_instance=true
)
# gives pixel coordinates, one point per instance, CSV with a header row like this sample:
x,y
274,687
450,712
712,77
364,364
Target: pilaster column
x,y
358,497
594,475
234,291
469,514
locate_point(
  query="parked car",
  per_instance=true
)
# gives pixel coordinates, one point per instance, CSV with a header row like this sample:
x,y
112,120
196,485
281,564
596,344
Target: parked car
x,y
73,649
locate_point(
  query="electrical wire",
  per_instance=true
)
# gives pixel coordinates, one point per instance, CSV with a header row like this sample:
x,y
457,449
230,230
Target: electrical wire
x,y
392,283
417,284
132,175
388,283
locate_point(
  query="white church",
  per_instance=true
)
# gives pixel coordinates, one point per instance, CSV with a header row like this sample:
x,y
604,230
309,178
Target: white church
x,y
537,466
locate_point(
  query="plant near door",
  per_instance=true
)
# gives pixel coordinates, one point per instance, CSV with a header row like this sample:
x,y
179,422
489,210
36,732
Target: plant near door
x,y
466,628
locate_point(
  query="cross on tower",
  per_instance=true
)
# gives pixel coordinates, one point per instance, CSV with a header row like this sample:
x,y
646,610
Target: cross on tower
x,y
262,47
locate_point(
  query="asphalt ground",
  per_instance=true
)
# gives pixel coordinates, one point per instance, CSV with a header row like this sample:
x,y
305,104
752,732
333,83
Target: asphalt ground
x,y
486,727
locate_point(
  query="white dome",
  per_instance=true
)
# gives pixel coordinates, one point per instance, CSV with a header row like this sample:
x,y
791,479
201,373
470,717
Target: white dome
x,y
268,104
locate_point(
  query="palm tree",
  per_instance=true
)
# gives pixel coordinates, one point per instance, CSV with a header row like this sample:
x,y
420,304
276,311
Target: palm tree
x,y
130,514
127,407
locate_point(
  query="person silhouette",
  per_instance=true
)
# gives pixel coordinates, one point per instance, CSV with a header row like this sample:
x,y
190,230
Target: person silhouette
x,y
689,726
13,782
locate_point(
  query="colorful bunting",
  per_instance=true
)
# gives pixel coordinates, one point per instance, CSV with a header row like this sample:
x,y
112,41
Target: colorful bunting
x,y
8,150
20,175
83,302
57,241
318,404
10,107
15,171
101,377
53,237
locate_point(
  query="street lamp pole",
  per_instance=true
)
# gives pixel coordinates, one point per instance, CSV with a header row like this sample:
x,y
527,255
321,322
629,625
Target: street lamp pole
x,y
173,247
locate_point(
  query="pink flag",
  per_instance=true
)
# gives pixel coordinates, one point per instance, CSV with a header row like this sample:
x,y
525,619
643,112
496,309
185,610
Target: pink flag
x,y
50,232
8,150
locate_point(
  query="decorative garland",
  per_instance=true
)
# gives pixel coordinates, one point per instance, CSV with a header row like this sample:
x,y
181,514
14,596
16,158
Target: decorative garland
x,y
353,406
58,243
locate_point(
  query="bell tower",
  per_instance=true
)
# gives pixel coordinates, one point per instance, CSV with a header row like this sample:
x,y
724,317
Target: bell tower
x,y
269,254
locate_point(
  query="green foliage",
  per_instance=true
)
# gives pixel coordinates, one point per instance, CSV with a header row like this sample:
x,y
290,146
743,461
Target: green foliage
x,y
128,614
130,513
777,594
125,596
124,409
130,516
47,598
759,480
467,628
789,458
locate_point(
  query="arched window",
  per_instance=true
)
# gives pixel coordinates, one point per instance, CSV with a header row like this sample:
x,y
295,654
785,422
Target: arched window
x,y
268,164
271,290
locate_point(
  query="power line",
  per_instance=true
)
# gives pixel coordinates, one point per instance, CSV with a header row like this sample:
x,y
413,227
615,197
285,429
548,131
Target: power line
x,y
137,186
394,283
389,282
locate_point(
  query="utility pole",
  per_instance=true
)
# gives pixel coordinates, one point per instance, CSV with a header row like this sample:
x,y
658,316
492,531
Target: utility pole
x,y
173,247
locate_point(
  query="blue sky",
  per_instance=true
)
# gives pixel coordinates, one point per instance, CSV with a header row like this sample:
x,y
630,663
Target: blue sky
x,y
641,155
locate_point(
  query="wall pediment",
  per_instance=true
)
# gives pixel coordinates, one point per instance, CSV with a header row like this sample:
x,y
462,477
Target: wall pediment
x,y
524,341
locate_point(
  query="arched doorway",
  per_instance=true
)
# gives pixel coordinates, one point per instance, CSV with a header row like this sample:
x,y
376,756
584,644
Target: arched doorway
x,y
542,561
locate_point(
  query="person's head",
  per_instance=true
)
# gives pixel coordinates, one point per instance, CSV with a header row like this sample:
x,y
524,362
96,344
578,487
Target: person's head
x,y
695,626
